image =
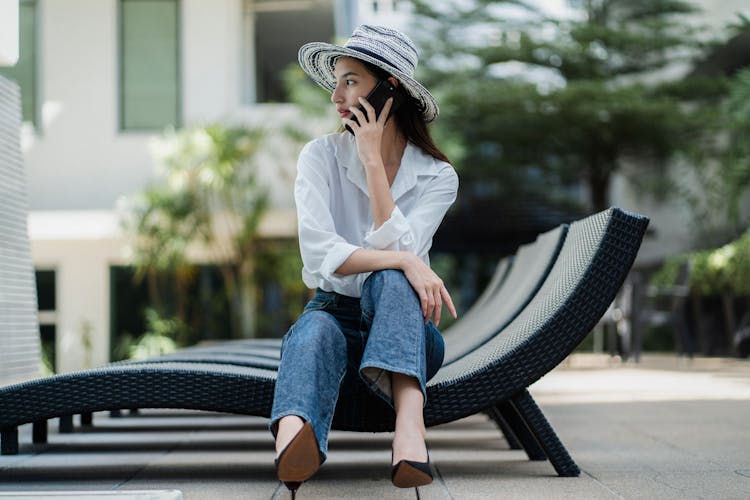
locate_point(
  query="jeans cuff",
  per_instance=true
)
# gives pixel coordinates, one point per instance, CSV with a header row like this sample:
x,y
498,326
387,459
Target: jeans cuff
x,y
373,377
272,425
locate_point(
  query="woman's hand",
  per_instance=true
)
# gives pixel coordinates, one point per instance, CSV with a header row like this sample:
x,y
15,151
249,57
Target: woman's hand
x,y
368,133
429,287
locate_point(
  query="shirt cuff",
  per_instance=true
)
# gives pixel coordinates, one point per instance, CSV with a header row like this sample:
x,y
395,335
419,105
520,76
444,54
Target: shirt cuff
x,y
393,234
335,257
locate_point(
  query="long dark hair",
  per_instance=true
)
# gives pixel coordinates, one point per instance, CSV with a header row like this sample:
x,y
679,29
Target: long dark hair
x,y
409,118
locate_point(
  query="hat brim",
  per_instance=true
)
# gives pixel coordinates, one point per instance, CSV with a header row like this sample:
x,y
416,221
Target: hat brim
x,y
317,59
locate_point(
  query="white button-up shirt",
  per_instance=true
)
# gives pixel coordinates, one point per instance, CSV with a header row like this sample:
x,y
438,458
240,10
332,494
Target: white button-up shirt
x,y
334,214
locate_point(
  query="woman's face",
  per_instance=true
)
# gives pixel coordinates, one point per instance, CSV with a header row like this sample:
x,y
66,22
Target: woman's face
x,y
352,81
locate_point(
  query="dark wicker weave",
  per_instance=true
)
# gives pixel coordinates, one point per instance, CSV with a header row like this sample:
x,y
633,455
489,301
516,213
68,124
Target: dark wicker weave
x,y
593,262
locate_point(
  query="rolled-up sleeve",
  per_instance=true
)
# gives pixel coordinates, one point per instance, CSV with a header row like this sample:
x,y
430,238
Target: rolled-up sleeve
x,y
322,249
413,233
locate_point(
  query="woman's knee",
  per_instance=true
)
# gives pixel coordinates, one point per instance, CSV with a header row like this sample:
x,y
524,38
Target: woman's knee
x,y
391,280
316,330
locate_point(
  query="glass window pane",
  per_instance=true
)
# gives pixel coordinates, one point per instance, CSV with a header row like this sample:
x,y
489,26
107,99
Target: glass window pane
x,y
48,333
45,290
278,36
24,72
150,64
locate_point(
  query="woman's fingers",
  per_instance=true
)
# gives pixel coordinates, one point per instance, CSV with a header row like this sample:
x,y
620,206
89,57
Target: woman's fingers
x,y
423,301
430,289
384,112
448,301
430,306
351,123
438,306
359,114
369,110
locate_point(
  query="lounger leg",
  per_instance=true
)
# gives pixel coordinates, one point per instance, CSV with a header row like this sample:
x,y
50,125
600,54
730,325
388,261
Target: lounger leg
x,y
545,435
66,424
510,437
9,441
87,419
521,431
39,432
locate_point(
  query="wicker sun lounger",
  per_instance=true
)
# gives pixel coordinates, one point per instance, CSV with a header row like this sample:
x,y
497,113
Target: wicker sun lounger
x,y
531,265
502,270
593,262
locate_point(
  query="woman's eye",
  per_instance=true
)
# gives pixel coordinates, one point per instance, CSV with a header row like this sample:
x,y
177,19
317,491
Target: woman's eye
x,y
350,82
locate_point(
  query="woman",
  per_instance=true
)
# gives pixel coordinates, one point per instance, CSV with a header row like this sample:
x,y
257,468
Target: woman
x,y
368,205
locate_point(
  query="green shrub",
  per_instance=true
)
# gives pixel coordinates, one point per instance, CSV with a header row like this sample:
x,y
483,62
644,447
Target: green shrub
x,y
739,277
713,272
667,274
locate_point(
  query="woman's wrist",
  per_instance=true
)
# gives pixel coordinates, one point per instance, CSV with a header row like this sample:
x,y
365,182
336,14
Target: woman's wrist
x,y
373,164
405,260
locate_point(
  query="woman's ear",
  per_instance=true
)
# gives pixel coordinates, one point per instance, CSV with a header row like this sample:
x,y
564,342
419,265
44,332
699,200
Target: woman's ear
x,y
393,81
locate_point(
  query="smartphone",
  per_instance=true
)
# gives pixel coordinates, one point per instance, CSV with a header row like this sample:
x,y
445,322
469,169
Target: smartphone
x,y
377,99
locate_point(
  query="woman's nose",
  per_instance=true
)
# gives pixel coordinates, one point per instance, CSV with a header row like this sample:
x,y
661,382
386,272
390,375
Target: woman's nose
x,y
336,96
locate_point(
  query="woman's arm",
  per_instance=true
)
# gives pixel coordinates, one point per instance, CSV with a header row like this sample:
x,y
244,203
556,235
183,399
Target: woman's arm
x,y
428,285
369,135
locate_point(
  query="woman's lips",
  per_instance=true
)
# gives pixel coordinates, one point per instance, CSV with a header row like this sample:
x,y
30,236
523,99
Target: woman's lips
x,y
343,113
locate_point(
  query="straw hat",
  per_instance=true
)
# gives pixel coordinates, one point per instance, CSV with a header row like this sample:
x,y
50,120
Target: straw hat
x,y
383,47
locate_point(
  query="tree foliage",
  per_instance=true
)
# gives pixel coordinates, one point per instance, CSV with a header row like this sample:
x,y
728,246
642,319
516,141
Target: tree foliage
x,y
536,100
208,199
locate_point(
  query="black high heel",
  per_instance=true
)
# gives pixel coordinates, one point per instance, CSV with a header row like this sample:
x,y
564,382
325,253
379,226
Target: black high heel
x,y
410,474
292,486
299,460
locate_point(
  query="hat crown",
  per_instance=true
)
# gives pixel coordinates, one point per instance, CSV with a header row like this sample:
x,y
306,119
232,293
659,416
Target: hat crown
x,y
385,48
387,45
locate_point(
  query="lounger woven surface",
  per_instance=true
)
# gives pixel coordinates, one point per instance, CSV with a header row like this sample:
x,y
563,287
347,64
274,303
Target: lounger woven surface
x,y
502,270
531,265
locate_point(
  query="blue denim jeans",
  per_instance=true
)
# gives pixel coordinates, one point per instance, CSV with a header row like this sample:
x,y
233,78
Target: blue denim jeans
x,y
340,343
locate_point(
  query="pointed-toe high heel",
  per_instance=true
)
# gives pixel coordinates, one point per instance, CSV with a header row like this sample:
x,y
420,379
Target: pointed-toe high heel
x,y
299,460
410,474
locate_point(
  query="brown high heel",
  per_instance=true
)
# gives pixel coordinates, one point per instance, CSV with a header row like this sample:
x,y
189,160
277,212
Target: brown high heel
x,y
299,460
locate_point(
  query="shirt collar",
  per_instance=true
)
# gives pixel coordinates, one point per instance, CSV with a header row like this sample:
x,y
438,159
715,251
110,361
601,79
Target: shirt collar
x,y
414,164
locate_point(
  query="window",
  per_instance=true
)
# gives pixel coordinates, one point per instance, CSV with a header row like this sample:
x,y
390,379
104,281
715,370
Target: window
x,y
276,30
46,292
149,64
25,71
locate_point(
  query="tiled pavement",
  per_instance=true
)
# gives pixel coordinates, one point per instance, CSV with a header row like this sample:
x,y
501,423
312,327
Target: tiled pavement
x,y
663,429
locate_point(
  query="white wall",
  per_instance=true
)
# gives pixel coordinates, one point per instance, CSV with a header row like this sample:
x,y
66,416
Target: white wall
x,y
8,32
77,146
212,59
